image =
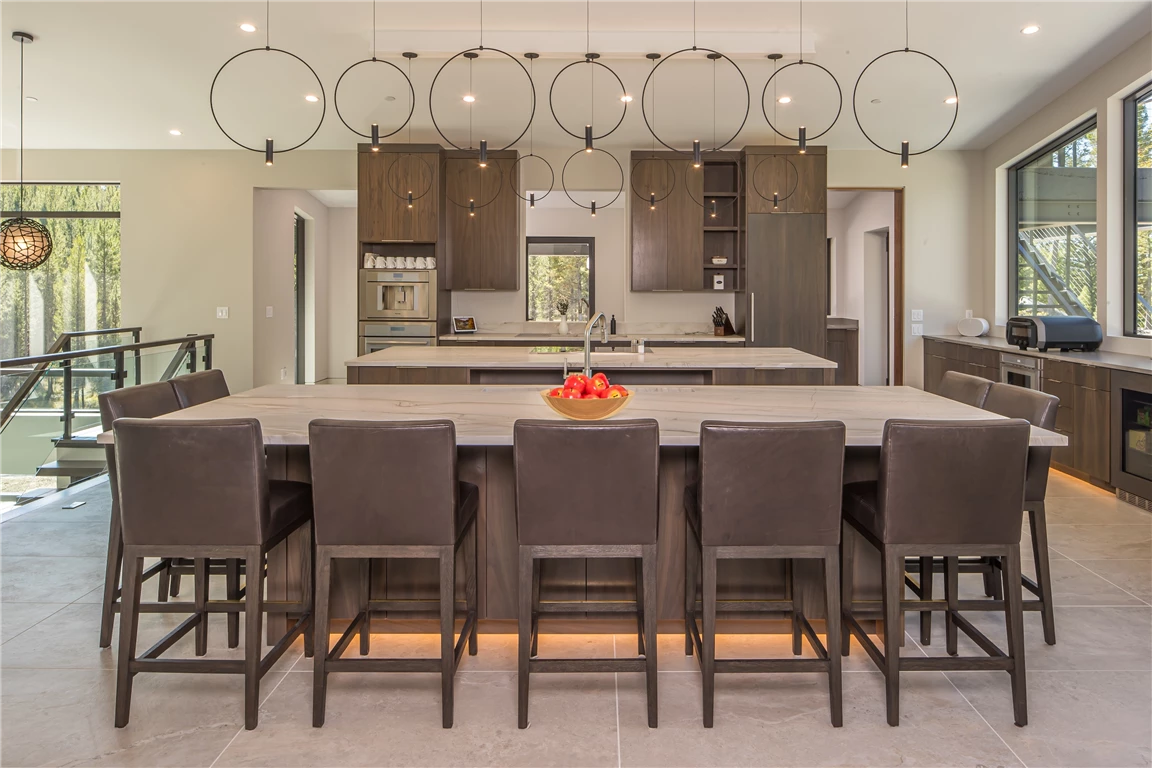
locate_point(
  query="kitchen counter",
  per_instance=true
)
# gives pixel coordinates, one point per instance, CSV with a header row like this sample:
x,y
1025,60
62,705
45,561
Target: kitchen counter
x,y
577,339
1115,360
775,358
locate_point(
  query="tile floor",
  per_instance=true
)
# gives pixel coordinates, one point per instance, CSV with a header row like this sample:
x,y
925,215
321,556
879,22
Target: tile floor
x,y
1090,696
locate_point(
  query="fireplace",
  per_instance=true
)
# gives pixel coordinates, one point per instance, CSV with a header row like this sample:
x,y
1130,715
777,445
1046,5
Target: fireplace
x,y
1132,437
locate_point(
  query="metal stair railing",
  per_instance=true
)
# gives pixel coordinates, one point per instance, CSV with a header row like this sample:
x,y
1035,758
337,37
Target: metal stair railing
x,y
1046,272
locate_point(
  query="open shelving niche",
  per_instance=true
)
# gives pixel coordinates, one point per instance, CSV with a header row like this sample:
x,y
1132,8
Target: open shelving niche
x,y
722,232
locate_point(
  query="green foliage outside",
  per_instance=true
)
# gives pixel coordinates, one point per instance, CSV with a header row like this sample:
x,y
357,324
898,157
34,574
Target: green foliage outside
x,y
77,288
1144,228
552,278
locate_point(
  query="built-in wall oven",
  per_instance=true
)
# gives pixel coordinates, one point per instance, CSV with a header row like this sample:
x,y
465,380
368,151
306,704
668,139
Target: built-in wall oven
x,y
397,295
377,336
1020,370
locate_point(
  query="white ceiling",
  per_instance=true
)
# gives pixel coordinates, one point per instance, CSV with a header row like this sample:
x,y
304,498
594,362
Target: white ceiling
x,y
335,198
121,75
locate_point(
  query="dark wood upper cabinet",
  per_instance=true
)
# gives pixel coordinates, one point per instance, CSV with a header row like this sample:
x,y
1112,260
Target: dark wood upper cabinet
x,y
668,242
483,245
787,282
800,179
384,179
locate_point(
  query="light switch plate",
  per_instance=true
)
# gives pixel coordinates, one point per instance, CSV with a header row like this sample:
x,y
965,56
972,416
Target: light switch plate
x,y
267,311
917,315
221,313
917,329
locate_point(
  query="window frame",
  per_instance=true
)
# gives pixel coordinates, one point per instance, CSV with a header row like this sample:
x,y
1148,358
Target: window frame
x,y
589,241
1090,123
1130,203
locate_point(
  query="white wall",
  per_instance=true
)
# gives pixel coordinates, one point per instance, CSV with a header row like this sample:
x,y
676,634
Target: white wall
x,y
1100,93
343,258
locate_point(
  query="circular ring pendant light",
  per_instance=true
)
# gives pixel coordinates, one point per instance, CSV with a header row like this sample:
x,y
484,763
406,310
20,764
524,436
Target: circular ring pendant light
x,y
374,130
715,56
775,197
408,162
802,135
667,171
531,198
269,148
592,60
953,99
469,98
593,207
477,202
24,243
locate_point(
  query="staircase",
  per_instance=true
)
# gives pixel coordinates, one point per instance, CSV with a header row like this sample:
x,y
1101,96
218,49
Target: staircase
x,y
1061,289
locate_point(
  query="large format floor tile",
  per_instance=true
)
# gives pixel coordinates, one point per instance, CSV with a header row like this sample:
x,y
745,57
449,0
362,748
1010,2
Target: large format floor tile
x,y
1102,542
48,579
1133,576
16,618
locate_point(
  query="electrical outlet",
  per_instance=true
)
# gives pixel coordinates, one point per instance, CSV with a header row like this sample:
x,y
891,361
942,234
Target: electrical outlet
x,y
221,313
267,311
917,329
967,314
917,315
283,374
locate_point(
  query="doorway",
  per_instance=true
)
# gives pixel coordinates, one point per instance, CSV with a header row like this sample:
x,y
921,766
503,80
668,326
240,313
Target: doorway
x,y
300,295
866,230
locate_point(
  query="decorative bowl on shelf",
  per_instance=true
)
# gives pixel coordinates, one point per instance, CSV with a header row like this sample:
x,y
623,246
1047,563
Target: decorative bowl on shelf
x,y
719,260
586,410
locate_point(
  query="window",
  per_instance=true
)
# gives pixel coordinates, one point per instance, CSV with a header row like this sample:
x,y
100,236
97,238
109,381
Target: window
x,y
1052,221
78,288
1138,214
560,274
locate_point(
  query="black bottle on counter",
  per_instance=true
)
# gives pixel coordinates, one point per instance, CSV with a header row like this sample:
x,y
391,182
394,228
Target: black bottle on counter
x,y
612,326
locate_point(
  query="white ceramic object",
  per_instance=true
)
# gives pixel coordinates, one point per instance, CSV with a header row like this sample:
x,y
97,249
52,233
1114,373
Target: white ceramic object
x,y
382,262
369,261
431,262
421,262
973,326
410,262
562,328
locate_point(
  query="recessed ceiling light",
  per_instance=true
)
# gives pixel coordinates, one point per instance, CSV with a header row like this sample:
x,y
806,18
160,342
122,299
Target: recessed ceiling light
x,y
312,98
31,98
951,100
469,98
175,132
875,101
626,98
1031,29
389,98
248,27
785,100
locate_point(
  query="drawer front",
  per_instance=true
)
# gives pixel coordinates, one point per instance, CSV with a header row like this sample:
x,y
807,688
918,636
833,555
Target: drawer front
x,y
1066,454
935,348
1065,419
1059,370
1093,377
1065,390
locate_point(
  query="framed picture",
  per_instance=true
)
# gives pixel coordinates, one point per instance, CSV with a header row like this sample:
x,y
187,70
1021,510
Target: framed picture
x,y
464,324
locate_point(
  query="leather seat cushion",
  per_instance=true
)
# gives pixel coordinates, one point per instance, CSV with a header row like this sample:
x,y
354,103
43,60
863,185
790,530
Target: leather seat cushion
x,y
289,503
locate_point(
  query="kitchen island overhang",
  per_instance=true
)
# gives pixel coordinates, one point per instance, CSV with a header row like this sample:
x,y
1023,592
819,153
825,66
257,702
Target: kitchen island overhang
x,y
484,417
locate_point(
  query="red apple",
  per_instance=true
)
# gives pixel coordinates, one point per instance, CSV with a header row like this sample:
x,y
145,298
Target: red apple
x,y
615,391
576,381
555,392
597,384
570,394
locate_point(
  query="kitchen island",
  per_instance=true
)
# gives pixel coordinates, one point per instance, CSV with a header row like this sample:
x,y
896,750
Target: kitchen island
x,y
547,365
484,417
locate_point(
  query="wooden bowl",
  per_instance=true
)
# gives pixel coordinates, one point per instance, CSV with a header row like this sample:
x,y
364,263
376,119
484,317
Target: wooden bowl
x,y
586,410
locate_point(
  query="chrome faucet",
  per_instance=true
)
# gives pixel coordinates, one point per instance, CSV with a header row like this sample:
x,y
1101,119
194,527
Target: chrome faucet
x,y
588,339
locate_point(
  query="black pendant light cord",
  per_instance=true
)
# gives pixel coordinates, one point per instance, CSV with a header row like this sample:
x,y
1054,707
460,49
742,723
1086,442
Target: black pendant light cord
x,y
20,196
481,28
693,24
373,30
267,24
907,45
801,31
591,70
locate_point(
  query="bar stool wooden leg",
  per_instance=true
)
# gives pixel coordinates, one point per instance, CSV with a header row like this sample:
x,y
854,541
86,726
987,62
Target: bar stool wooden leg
x,y
524,646
320,636
537,566
708,644
253,624
174,586
471,587
691,583
164,580
648,589
447,630
989,575
111,578
893,586
790,581
365,565
232,581
307,560
951,590
1014,622
832,634
926,568
200,590
639,578
129,623
1038,523
847,586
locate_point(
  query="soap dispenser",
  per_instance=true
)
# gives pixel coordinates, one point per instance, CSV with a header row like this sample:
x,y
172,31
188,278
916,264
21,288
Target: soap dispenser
x,y
612,326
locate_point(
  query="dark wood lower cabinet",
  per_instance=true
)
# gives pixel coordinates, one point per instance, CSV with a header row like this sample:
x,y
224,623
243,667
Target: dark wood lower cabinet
x,y
844,350
630,377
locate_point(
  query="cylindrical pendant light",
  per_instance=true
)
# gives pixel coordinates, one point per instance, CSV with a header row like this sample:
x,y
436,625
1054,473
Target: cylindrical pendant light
x,y
713,206
775,199
471,206
588,139
531,199
696,158
903,154
593,207
268,152
375,137
652,201
803,140
409,198
483,153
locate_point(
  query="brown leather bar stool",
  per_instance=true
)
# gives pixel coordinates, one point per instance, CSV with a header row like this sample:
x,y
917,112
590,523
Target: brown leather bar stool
x,y
201,387
389,489
195,389
199,489
766,491
586,490
142,402
1039,410
946,488
970,390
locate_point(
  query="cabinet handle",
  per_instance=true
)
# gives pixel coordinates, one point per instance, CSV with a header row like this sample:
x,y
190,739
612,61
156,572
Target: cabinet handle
x,y
667,290
397,241
479,289
752,315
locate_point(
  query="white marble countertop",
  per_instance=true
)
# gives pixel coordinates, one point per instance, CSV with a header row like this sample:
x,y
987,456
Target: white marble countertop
x,y
484,415
775,358
577,339
1134,363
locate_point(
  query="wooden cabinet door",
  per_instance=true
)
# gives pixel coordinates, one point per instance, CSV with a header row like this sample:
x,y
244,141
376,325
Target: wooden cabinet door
x,y
787,282
934,369
483,245
668,243
384,179
1092,449
649,228
800,180
371,190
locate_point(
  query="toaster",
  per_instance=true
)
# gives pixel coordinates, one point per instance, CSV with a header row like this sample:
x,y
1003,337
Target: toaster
x,y
1049,333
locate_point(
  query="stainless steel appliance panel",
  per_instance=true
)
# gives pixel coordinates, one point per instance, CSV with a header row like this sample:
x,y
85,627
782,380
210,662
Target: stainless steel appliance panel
x,y
1021,371
397,295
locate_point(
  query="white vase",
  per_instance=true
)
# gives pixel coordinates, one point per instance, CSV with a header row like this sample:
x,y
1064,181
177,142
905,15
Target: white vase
x,y
562,328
